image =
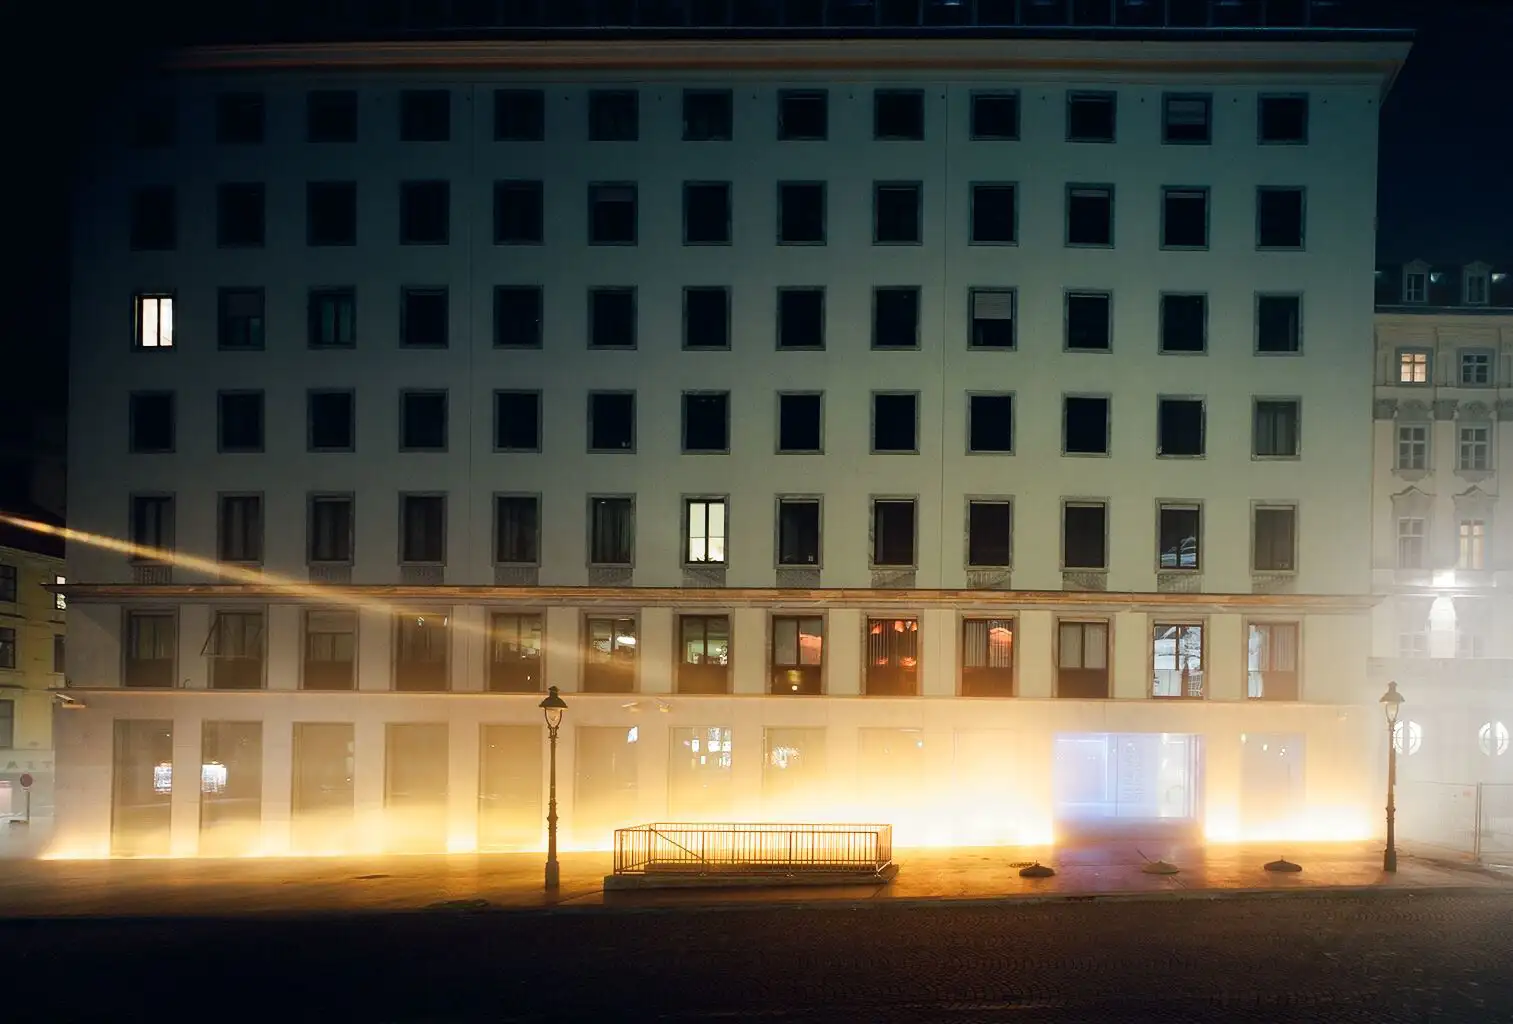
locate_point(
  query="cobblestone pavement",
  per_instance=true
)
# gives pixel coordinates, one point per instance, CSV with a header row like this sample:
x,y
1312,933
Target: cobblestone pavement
x,y
1373,957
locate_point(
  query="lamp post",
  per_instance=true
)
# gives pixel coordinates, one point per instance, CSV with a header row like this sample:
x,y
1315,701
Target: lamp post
x,y
1391,701
552,708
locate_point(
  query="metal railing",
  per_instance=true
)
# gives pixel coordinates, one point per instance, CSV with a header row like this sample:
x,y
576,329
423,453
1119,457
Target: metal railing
x,y
755,848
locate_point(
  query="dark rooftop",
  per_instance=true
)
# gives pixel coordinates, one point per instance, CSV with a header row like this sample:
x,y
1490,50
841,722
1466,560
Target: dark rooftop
x,y
22,539
1472,288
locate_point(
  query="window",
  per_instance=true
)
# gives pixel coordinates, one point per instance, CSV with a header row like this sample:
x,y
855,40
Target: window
x,y
1088,321
424,212
612,531
1184,218
515,662
612,421
1177,651
423,421
1277,428
240,529
1279,218
987,657
331,421
517,529
893,534
58,654
1090,215
799,531
331,213
990,424
990,534
1085,425
1184,323
332,318
153,321
703,654
1186,120
1413,644
994,216
240,318
151,647
1179,427
1476,287
1412,366
239,118
235,651
706,318
423,529
706,213
1410,543
800,422
330,650
1470,645
896,208
1476,369
612,318
612,214
422,645
898,114
239,215
803,115
1279,323
1272,661
8,661
1090,117
992,318
895,318
704,538
151,426
7,584
154,218
1275,539
798,654
995,116
706,421
707,115
517,316
801,213
613,115
519,115
1473,545
801,318
1475,450
1282,120
1082,660
892,658
423,318
1084,535
330,530
1412,446
1178,537
609,662
240,420
1415,286
517,421
331,115
152,525
425,115
155,123
60,601
895,422
518,215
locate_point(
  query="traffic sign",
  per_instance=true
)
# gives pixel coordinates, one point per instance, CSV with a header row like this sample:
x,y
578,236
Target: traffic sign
x,y
26,781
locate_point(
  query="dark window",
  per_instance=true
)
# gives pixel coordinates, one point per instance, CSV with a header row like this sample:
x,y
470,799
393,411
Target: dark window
x,y
58,653
423,318
1186,119
239,321
240,528
1085,430
1084,541
424,212
801,318
1276,529
1179,426
803,115
1277,428
892,660
703,654
801,213
987,657
992,317
896,213
609,666
707,115
239,215
895,317
151,646
1178,537
611,421
423,521
330,650
331,213
1283,119
990,423
8,589
152,524
800,422
1279,326
1088,322
612,214
706,318
706,421
517,421
517,529
995,116
895,422
425,115
893,532
1279,218
612,318
332,421
515,664
990,533
1090,215
154,218
993,214
234,650
1184,218
241,421
333,318
517,316
706,212
798,532
613,116
1090,117
331,116
152,422
155,123
330,529
518,213
421,665
423,421
898,114
798,654
612,531
519,115
239,118
1184,323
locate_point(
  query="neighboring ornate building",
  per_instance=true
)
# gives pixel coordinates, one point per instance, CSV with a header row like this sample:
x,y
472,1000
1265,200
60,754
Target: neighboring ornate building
x,y
31,660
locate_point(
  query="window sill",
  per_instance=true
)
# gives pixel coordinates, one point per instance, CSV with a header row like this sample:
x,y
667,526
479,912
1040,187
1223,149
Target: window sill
x,y
801,241
623,244
1183,351
1295,457
1086,455
1475,475
1184,248
1106,350
992,243
502,242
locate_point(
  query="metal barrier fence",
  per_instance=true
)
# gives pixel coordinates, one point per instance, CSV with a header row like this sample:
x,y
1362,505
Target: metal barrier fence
x,y
1471,818
758,848
1495,821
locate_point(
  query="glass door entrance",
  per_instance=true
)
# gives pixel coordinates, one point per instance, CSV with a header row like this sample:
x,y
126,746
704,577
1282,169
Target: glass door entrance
x,y
1127,778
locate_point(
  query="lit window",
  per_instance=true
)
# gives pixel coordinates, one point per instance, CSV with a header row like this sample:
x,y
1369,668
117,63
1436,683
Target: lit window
x,y
1413,367
1413,446
1408,737
1475,452
154,314
1473,544
59,601
706,531
1493,739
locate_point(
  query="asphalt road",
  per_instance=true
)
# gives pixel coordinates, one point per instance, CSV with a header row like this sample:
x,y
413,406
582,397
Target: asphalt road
x,y
1373,958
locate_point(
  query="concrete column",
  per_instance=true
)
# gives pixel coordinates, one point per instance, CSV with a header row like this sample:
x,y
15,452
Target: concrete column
x,y
184,828
462,784
564,646
1036,640
748,751
375,639
194,627
1131,662
469,648
1222,779
654,743
84,739
657,651
749,645
284,645
369,756
1224,658
278,783
938,649
843,653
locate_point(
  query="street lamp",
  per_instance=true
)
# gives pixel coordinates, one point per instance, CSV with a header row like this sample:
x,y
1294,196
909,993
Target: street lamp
x,y
1391,702
552,708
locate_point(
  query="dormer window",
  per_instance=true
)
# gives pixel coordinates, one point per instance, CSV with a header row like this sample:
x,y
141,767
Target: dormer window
x,y
1415,285
1477,288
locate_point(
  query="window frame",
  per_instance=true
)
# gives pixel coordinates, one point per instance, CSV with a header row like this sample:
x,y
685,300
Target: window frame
x,y
405,395
409,292
417,110
1161,333
496,502
324,108
1420,446
775,620
728,98
1192,505
309,613
1261,299
225,193
1013,401
818,501
1171,192
1181,624
872,447
780,318
314,498
688,321
914,188
220,422
1413,351
1258,507
728,190
684,421
1301,192
1202,403
168,521
598,111
310,396
1481,444
877,292
139,300
823,95
634,416
882,95
261,540
873,533
976,187
594,188
1168,99
1108,424
314,299
225,298
1004,500
592,296
327,191
1256,402
1067,296
1261,100
588,549
404,498
1108,96
1070,193
504,190
412,192
1011,95
537,116
133,444
1251,626
1472,353
499,293
1412,543
688,504
778,448
823,191
158,615
498,396
1068,503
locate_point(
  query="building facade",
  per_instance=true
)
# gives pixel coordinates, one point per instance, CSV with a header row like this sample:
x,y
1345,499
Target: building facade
x,y
974,440
32,639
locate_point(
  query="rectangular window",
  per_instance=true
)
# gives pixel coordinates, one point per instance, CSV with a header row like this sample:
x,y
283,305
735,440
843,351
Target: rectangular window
x,y
141,787
994,215
609,663
1084,535
1184,323
801,318
704,523
519,115
896,212
892,666
612,214
612,421
240,318
612,531
1085,425
1412,366
1272,661
331,213
706,318
1279,323
153,321
425,115
990,424
1282,120
803,115
331,532
331,115
1090,116
1415,286
898,114
1275,539
1277,430
1186,120
515,662
1184,218
151,647
517,316
240,528
801,213
706,213
152,525
1413,644
1089,323
416,771
895,422
240,419
332,318
987,657
7,584
895,318
1082,660
517,421
151,422
154,218
424,212
612,318
322,794
423,317
517,529
422,421
235,651
798,654
1476,288
519,217
422,648
510,785
893,532
995,116
239,118
1476,369
60,601
423,529
990,534
799,532
330,649
7,649
59,653
800,422
239,215
1279,218
992,317
1090,215
707,115
1411,538
1413,446
1473,545
1178,540
1177,651
1475,449
703,654
1179,427
332,421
